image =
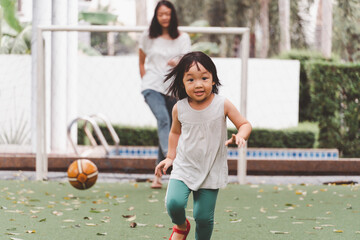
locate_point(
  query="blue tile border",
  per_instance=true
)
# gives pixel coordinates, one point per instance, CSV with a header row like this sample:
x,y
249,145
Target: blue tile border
x,y
233,153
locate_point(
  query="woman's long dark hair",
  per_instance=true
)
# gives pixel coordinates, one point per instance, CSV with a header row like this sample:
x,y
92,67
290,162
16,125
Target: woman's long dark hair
x,y
177,88
155,29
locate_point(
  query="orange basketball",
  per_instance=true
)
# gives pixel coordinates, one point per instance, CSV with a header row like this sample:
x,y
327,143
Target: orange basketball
x,y
82,174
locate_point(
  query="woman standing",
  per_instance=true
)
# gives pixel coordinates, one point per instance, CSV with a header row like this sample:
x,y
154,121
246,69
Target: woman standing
x,y
160,48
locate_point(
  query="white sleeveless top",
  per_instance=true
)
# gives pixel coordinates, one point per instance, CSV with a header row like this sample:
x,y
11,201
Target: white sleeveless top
x,y
201,154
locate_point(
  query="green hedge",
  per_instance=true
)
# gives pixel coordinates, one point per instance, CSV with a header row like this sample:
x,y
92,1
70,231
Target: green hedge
x,y
144,136
279,138
336,97
305,98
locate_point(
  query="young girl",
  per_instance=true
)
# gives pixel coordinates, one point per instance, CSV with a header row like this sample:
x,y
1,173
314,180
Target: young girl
x,y
160,48
198,143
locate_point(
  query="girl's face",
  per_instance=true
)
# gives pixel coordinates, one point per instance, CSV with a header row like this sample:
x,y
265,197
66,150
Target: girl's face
x,y
163,16
198,83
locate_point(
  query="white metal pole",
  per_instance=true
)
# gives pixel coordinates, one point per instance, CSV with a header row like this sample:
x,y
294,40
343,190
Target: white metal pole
x,y
41,153
41,16
98,28
242,163
58,79
72,68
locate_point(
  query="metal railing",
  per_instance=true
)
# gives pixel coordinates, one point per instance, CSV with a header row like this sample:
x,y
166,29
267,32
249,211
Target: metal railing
x,y
91,120
41,140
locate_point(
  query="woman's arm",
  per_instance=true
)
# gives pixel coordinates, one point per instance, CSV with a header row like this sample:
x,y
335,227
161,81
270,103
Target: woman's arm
x,y
174,136
242,125
142,57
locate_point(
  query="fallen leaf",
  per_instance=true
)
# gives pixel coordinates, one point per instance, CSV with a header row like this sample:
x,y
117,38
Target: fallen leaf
x,y
91,224
236,221
102,234
159,225
233,214
279,232
317,228
30,231
290,205
328,225
93,210
133,224
338,231
57,213
68,220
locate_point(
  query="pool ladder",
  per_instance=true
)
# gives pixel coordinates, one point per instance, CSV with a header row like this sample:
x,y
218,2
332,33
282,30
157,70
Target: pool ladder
x,y
91,120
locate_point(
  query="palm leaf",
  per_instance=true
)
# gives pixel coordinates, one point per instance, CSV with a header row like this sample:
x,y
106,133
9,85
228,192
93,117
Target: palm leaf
x,y
102,18
18,133
9,7
22,42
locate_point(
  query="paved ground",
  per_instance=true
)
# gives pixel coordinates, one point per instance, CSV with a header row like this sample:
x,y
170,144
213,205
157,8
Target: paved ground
x,y
120,177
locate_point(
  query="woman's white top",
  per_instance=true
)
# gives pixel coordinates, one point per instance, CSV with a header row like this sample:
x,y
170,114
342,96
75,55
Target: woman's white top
x,y
201,154
158,52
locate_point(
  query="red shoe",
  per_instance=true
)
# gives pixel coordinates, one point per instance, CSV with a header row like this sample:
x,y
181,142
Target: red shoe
x,y
182,232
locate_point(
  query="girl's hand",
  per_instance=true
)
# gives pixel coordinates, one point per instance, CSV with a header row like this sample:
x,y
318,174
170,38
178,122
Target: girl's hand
x,y
163,166
235,139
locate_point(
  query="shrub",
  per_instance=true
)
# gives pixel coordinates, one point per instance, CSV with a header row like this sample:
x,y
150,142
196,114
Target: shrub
x,y
305,98
336,99
145,136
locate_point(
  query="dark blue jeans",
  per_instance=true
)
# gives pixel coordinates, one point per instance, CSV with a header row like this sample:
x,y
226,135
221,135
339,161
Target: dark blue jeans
x,y
161,106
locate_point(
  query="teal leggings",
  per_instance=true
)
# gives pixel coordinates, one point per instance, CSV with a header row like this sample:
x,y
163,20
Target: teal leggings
x,y
204,207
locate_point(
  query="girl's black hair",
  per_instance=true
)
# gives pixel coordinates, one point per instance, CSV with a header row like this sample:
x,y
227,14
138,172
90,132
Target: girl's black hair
x,y
177,88
155,29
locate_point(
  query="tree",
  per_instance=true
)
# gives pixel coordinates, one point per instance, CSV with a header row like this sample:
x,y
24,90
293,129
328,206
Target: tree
x,y
141,8
346,38
264,25
326,30
284,22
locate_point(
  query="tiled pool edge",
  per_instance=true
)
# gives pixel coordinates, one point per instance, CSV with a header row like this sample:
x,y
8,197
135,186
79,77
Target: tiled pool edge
x,y
252,153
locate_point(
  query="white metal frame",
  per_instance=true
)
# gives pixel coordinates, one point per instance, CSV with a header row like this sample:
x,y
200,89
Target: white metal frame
x,y
41,153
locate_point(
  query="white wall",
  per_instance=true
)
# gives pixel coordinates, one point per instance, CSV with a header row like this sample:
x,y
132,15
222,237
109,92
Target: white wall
x,y
15,92
111,85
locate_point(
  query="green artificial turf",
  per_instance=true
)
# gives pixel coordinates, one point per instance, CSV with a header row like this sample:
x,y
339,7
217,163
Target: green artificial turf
x,y
55,210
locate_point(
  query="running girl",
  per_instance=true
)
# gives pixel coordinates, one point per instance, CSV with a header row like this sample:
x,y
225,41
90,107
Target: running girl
x,y
198,144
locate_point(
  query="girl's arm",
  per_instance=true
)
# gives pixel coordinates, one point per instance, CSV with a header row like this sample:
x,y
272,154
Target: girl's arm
x,y
142,57
242,125
174,135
